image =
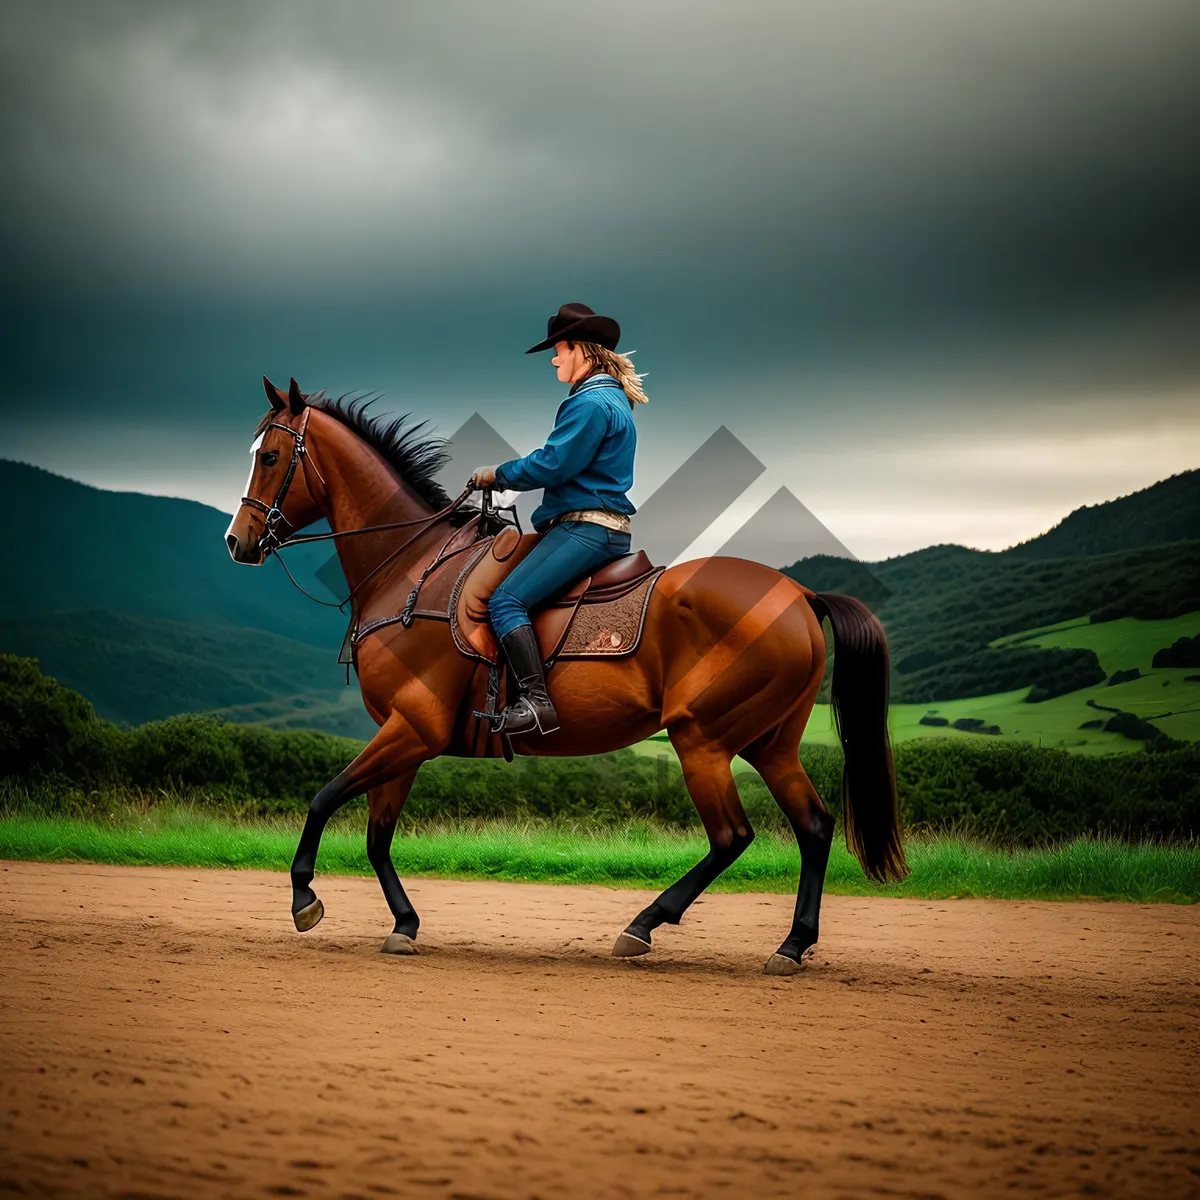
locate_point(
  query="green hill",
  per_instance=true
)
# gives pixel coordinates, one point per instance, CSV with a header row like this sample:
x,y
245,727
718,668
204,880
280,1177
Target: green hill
x,y
69,545
1167,511
137,669
940,631
132,600
944,606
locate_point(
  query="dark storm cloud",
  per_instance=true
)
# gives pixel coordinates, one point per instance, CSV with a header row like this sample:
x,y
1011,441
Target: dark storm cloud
x,y
835,214
824,158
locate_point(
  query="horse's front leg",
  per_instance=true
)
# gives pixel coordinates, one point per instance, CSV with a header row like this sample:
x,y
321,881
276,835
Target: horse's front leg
x,y
386,802
390,753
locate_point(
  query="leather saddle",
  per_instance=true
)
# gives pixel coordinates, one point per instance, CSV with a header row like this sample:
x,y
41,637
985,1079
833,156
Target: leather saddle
x,y
492,561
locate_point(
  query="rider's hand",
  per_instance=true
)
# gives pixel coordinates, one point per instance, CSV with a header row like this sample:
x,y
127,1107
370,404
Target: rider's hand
x,y
483,477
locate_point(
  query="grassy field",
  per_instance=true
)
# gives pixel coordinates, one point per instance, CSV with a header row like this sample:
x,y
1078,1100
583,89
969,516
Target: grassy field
x,y
632,856
1119,644
1162,694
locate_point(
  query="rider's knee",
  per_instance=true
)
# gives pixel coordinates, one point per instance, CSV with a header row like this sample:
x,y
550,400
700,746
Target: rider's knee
x,y
502,600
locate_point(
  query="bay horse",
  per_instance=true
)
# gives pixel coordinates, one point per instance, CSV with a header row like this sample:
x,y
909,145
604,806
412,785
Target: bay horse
x,y
730,661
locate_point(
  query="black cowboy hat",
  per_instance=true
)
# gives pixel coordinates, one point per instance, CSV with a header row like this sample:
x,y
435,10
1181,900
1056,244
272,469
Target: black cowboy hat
x,y
577,323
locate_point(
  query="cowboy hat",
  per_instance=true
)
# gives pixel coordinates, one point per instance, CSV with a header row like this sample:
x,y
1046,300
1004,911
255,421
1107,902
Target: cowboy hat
x,y
577,323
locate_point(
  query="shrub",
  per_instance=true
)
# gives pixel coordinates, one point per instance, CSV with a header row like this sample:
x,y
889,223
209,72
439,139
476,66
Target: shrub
x,y
1124,676
47,728
1013,790
1028,794
1182,653
1052,671
1132,726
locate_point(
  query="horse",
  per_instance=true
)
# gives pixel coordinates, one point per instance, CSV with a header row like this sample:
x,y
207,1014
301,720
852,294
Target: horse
x,y
730,661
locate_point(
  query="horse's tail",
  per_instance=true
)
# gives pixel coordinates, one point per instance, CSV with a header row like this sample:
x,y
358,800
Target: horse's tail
x,y
860,707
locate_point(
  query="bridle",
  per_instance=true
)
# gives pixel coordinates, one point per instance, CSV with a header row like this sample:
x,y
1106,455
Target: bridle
x,y
273,517
270,541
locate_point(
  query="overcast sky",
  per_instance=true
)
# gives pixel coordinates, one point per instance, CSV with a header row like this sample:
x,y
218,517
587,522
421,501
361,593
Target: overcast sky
x,y
935,262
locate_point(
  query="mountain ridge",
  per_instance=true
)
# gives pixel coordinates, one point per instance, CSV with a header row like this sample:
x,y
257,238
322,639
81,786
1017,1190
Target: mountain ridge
x,y
177,566
142,585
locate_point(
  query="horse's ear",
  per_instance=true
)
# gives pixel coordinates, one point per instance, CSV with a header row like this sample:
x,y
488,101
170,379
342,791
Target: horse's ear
x,y
276,400
295,398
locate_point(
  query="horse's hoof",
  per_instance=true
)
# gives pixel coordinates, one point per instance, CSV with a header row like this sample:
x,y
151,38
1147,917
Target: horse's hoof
x,y
309,916
629,946
398,943
781,964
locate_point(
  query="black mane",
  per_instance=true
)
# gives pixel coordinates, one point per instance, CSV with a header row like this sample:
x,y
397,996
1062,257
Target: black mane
x,y
416,459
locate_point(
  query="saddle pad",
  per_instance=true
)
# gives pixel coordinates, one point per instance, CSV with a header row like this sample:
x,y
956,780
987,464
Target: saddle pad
x,y
613,627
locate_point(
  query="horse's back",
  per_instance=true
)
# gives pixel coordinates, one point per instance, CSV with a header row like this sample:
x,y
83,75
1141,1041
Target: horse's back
x,y
728,583
729,631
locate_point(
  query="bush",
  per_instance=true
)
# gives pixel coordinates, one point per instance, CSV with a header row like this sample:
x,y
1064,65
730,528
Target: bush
x,y
1183,653
1132,726
47,728
1052,671
53,742
1124,676
1028,794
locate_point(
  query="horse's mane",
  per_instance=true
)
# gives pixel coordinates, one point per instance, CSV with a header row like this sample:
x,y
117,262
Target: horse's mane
x,y
416,459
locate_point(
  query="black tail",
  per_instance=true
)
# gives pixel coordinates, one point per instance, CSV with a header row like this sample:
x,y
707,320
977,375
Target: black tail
x,y
860,707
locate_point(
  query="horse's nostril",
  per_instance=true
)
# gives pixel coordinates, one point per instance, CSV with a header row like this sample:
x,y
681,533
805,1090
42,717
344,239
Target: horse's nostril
x,y
231,540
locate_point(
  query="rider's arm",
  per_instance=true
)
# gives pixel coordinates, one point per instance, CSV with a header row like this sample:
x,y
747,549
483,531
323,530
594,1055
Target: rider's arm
x,y
572,444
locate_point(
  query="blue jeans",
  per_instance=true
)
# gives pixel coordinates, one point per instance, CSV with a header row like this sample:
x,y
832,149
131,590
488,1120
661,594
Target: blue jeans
x,y
564,553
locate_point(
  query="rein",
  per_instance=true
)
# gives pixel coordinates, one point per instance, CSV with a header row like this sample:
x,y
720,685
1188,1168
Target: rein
x,y
271,543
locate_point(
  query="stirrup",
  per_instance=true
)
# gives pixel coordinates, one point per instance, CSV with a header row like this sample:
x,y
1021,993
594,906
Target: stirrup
x,y
545,719
493,696
527,709
543,716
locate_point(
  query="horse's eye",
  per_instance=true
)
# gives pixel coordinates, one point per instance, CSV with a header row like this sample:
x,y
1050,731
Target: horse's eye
x,y
270,458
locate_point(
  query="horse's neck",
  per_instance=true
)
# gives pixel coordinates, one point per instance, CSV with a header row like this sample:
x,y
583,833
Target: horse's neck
x,y
361,490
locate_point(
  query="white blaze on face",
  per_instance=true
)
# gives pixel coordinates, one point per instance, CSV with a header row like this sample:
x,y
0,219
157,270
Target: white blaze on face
x,y
254,449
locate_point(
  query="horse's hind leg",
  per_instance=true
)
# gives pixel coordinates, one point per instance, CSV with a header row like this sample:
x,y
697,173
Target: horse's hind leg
x,y
711,786
385,805
779,765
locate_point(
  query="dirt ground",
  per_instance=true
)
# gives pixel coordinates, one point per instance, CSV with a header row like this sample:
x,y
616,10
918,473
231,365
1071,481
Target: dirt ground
x,y
165,1032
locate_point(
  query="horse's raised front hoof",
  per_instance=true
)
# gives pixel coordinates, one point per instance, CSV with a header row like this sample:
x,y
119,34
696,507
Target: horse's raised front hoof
x,y
629,946
782,964
398,943
309,916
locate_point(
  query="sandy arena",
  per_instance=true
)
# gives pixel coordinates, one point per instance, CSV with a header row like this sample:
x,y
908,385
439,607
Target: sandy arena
x,y
166,1033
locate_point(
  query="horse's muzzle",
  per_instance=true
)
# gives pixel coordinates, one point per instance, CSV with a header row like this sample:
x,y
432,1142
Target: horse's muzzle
x,y
249,553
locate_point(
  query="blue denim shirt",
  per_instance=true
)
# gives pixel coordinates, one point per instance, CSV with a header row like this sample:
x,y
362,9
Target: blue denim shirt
x,y
587,461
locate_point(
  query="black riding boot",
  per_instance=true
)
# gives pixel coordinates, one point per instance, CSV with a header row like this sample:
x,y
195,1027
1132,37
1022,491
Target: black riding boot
x,y
532,709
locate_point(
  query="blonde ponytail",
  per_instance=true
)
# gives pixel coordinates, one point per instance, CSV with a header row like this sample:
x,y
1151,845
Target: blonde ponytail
x,y
619,366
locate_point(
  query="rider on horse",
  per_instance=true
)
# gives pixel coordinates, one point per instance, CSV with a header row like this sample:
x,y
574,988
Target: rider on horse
x,y
585,469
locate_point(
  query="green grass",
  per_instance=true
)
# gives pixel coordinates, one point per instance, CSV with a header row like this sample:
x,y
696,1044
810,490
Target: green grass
x,y
1119,645
632,856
